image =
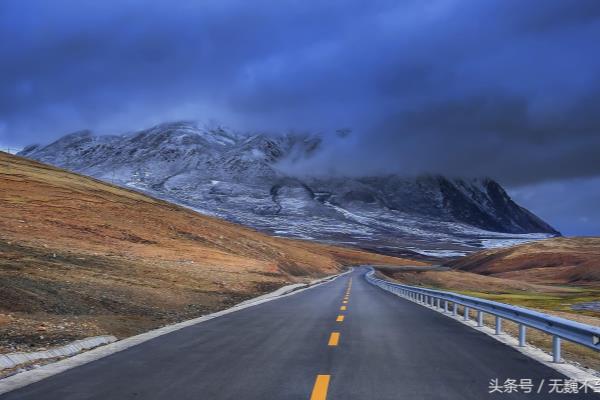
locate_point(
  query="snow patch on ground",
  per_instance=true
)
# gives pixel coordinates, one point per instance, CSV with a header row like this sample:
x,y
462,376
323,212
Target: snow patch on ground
x,y
440,253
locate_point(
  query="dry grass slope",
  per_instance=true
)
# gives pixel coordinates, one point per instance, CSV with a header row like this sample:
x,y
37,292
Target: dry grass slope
x,y
557,260
79,257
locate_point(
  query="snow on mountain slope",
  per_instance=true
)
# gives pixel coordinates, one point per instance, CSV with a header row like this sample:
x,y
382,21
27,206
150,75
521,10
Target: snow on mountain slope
x,y
235,176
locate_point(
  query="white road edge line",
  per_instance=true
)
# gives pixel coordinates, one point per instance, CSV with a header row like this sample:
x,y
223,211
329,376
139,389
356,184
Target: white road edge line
x,y
567,368
25,378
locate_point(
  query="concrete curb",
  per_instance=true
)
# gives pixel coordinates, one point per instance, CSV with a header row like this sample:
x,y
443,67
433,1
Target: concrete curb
x,y
14,359
28,377
279,292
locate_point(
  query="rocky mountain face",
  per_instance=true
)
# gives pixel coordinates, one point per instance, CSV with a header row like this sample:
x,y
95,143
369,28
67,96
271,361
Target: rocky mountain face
x,y
236,177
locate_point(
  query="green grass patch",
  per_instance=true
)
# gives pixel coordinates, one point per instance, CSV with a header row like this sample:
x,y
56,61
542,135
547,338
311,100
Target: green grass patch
x,y
547,301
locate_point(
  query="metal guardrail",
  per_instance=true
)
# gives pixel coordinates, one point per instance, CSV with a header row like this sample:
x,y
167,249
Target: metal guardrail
x,y
559,328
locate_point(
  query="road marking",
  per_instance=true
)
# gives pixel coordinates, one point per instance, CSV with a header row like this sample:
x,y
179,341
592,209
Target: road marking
x,y
345,302
334,339
320,389
340,318
343,308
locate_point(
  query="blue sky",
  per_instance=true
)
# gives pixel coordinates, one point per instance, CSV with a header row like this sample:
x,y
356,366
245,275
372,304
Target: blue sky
x,y
500,88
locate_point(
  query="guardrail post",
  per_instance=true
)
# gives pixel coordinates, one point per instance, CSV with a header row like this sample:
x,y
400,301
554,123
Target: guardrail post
x,y
522,335
466,316
498,325
454,309
479,318
555,349
438,303
446,306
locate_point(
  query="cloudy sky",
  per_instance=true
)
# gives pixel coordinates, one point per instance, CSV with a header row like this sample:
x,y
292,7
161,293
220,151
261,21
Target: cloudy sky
x,y
507,89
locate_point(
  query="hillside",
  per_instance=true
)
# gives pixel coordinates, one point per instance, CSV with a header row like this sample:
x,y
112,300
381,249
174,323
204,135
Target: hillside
x,y
270,183
556,261
79,257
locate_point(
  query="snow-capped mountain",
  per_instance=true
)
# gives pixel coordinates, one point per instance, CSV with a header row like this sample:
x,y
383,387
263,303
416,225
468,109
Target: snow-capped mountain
x,y
236,177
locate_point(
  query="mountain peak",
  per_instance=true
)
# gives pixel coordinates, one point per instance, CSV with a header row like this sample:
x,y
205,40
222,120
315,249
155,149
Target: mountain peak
x,y
236,176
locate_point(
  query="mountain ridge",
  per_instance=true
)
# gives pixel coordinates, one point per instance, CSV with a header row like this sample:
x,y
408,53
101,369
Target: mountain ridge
x,y
236,176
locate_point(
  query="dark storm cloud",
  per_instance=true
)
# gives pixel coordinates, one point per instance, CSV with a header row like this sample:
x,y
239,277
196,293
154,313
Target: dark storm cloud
x,y
504,88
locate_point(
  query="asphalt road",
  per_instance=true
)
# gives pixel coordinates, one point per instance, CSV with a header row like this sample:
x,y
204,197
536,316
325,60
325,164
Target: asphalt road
x,y
386,348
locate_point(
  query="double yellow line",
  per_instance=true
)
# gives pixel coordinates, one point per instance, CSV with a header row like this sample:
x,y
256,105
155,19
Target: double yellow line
x,y
322,382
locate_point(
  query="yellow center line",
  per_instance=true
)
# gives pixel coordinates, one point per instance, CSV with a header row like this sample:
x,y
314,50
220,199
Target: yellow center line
x,y
343,308
334,339
320,389
340,318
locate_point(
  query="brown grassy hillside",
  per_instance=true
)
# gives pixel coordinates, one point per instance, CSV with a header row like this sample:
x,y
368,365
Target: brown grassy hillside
x,y
557,260
79,257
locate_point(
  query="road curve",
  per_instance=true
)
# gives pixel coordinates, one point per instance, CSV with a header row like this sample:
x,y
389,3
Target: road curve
x,y
306,346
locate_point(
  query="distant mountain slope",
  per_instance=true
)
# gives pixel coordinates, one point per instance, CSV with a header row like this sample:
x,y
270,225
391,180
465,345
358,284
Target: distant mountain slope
x,y
79,257
237,177
557,260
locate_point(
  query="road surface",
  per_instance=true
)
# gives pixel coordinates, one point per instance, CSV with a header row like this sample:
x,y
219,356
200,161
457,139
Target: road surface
x,y
312,345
